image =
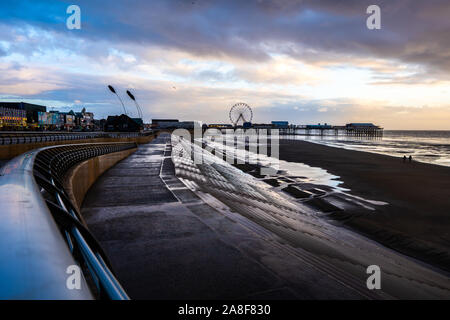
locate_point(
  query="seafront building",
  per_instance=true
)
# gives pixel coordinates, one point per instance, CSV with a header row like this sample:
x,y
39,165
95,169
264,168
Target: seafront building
x,y
17,116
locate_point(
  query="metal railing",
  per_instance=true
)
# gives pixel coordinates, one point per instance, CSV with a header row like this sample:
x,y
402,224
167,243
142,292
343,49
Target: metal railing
x,y
42,233
7,138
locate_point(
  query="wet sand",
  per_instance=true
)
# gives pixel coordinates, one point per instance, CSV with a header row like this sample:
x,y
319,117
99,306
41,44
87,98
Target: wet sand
x,y
417,220
302,225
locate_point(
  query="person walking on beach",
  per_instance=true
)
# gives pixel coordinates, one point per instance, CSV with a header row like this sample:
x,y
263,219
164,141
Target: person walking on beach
x,y
410,158
404,158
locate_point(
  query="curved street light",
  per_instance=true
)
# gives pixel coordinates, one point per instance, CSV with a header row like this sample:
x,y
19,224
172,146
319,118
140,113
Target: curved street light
x,y
139,110
114,91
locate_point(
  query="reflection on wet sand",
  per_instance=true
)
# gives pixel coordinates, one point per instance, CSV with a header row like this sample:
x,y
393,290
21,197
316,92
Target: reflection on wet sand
x,y
302,227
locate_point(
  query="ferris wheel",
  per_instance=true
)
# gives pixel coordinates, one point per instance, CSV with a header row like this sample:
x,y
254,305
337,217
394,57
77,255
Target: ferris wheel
x,y
240,112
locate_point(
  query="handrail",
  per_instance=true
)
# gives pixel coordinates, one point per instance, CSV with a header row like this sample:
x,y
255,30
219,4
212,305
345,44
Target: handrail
x,y
8,137
41,231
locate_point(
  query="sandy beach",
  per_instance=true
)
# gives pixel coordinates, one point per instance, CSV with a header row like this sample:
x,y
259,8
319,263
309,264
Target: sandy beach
x,y
416,221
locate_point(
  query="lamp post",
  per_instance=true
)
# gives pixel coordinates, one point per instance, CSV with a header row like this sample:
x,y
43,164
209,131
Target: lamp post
x,y
135,102
114,91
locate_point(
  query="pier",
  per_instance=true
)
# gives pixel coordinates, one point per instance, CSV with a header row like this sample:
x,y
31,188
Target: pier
x,y
351,129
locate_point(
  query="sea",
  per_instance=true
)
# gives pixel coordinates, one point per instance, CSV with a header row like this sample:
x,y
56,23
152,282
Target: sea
x,y
424,146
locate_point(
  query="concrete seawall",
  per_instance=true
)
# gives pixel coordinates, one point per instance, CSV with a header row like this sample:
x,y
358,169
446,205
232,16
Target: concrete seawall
x,y
11,150
81,177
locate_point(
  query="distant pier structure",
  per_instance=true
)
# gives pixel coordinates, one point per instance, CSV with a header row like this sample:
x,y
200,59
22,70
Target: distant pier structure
x,y
350,129
363,129
284,128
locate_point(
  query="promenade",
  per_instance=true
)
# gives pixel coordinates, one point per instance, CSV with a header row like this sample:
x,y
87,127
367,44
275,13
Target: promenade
x,y
166,243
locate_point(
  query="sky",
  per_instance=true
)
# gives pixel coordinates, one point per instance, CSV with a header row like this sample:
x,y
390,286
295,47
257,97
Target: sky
x,y
302,61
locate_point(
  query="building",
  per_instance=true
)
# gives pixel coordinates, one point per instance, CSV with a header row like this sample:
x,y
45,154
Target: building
x,y
164,123
85,119
139,121
12,119
363,129
88,119
361,125
62,120
77,120
69,119
267,126
31,111
99,125
280,124
49,120
220,126
122,123
318,126
21,115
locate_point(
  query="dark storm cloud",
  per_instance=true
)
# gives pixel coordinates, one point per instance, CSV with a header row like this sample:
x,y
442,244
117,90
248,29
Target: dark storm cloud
x,y
412,31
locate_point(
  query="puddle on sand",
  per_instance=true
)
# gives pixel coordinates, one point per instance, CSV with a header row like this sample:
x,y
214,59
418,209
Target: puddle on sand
x,y
304,172
300,172
308,174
